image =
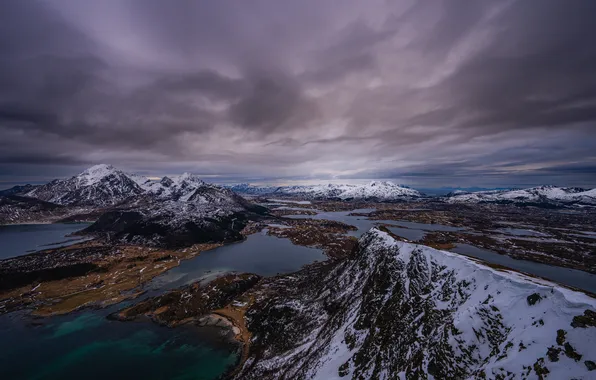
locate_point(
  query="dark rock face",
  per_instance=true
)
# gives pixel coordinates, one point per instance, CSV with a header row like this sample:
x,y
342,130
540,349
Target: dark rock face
x,y
166,182
134,227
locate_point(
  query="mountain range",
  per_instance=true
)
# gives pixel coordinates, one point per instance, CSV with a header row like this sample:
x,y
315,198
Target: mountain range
x,y
172,212
375,190
552,196
105,186
535,195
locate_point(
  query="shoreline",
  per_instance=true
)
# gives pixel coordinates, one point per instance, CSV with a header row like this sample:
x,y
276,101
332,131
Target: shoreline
x,y
116,273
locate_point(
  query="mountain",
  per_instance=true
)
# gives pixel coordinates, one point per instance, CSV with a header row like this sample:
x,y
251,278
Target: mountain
x,y
176,212
383,191
178,187
103,185
396,310
100,185
535,195
16,209
207,214
245,188
173,212
19,189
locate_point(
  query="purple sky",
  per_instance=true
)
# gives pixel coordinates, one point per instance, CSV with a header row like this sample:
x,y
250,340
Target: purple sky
x,y
428,93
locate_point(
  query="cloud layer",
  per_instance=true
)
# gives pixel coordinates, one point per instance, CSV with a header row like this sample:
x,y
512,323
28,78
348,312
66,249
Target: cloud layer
x,y
440,93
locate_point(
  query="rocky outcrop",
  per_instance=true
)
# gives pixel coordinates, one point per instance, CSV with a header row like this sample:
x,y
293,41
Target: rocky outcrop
x,y
398,310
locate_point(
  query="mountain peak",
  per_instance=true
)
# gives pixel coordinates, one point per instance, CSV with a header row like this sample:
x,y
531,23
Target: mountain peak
x,y
96,173
98,170
189,177
166,181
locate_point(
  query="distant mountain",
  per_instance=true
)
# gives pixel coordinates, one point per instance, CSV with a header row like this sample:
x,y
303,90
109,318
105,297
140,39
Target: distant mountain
x,y
100,185
19,189
403,311
208,213
103,185
178,187
16,209
384,191
441,191
245,188
545,195
172,212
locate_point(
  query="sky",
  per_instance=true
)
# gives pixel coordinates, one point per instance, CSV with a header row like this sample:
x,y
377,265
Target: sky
x,y
427,93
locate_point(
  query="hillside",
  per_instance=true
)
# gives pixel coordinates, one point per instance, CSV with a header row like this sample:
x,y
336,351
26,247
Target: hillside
x,y
399,310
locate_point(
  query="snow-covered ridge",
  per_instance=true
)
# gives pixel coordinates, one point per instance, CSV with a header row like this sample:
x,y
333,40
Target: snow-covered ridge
x,y
401,311
382,190
540,194
99,185
104,185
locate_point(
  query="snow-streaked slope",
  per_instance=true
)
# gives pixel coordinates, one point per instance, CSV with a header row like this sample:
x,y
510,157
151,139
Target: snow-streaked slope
x,y
403,311
104,185
175,212
177,187
248,189
208,214
541,194
375,189
100,185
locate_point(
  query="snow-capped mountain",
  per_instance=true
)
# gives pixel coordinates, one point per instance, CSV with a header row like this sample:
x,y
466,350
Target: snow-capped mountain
x,y
403,311
178,187
181,217
541,194
104,185
173,211
373,190
248,189
100,185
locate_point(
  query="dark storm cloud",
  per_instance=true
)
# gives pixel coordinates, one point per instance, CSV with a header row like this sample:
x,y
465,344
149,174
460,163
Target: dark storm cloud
x,y
415,90
272,102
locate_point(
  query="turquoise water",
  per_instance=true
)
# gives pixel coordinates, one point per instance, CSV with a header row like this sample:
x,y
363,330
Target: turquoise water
x,y
89,346
86,345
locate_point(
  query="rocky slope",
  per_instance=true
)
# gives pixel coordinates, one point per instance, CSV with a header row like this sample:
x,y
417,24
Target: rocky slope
x,y
206,214
16,209
545,195
375,190
402,311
